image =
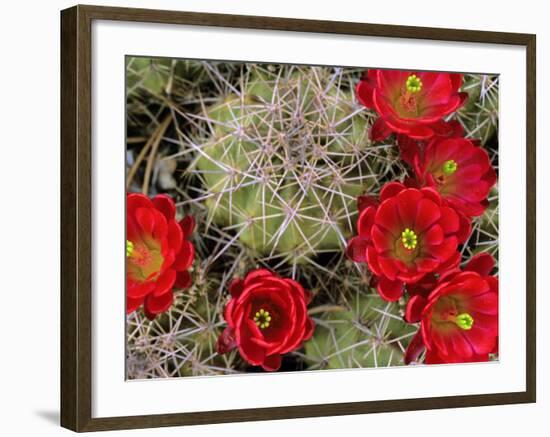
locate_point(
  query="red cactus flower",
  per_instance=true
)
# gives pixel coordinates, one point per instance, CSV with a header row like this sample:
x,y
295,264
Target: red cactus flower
x,y
158,254
408,235
459,170
410,103
459,317
266,317
409,149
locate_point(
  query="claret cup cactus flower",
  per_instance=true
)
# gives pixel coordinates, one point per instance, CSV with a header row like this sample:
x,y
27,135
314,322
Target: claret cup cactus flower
x,y
410,103
158,253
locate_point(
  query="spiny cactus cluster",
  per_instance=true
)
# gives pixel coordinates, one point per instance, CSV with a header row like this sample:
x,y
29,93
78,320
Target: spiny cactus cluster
x,y
282,159
269,159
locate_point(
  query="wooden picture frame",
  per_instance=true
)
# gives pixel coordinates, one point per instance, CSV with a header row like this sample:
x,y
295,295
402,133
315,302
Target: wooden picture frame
x,y
76,217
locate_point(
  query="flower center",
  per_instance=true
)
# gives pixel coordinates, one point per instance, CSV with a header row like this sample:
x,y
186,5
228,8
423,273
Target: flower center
x,y
262,318
129,248
449,167
413,84
409,239
407,100
464,321
143,263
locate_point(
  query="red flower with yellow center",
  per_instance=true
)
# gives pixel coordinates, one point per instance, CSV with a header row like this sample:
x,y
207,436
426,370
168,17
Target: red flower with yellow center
x,y
266,318
158,253
410,103
406,236
460,170
459,317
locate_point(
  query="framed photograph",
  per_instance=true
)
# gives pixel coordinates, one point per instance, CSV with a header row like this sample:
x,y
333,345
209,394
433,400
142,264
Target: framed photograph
x,y
267,218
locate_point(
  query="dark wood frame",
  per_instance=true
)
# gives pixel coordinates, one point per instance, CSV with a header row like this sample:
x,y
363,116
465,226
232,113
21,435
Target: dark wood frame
x,y
76,186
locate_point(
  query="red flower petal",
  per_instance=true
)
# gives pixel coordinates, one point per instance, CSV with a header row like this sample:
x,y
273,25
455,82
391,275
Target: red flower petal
x,y
460,345
456,80
450,264
165,205
226,341
145,219
372,260
236,287
309,329
449,220
407,203
365,222
183,279
465,228
272,363
383,241
391,189
444,250
426,265
363,202
156,305
413,311
486,303
160,230
363,91
357,249
433,236
250,351
379,131
427,213
133,304
388,267
420,132
390,290
409,149
175,236
187,225
136,290
254,275
387,217
165,283
135,201
432,194
482,263
185,257
414,349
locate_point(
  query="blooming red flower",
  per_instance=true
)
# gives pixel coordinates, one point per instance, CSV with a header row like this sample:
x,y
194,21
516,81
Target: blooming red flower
x,y
410,103
266,317
410,148
459,317
158,254
406,236
460,170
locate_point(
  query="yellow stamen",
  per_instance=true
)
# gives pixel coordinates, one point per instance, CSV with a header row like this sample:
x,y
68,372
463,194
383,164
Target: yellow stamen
x,y
449,167
129,248
464,321
413,84
262,318
409,239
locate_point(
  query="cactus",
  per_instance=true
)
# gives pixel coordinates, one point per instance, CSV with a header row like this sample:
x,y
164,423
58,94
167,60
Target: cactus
x,y
479,116
368,332
285,159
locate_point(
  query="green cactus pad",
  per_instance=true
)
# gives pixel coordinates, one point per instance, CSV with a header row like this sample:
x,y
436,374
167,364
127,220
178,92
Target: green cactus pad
x,y
284,162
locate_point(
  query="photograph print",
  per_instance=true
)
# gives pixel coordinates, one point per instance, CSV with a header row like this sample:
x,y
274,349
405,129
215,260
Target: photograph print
x,y
303,218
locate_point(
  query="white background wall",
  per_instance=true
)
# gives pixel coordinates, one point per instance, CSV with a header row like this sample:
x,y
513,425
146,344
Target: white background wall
x,y
29,216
